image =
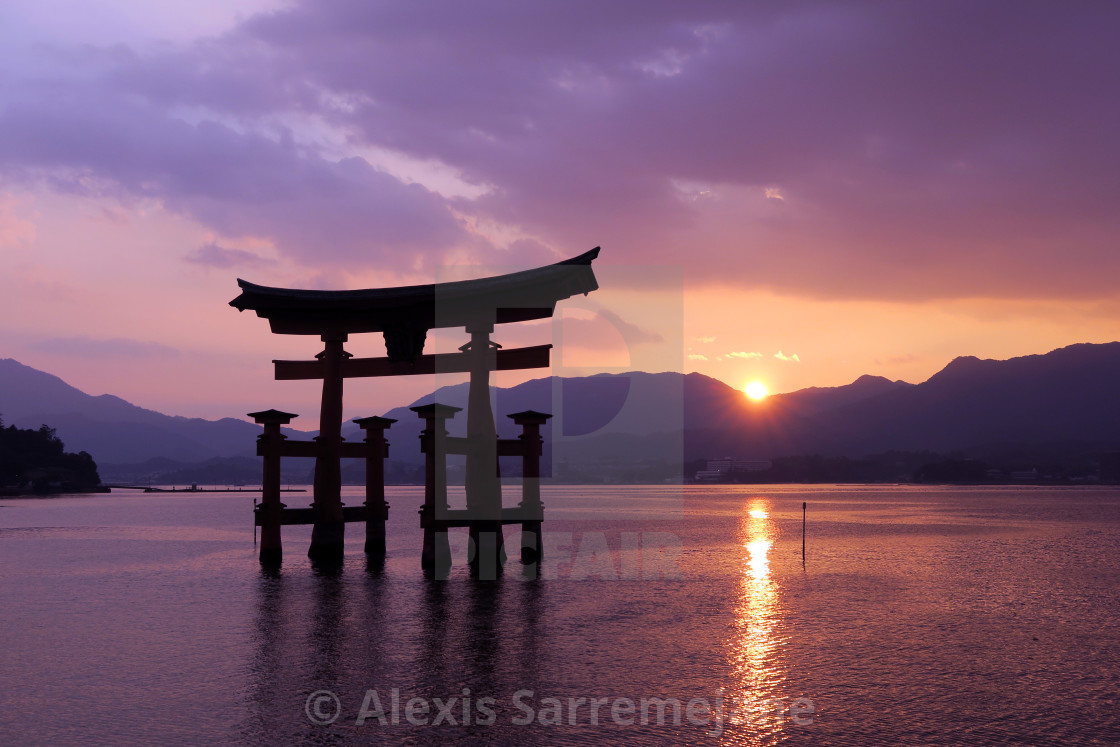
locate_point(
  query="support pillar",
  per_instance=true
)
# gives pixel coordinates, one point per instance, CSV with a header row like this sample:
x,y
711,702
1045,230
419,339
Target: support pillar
x,y
436,555
377,509
329,533
483,480
270,509
532,548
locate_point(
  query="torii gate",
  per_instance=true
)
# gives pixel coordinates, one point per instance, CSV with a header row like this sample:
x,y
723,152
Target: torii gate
x,y
404,315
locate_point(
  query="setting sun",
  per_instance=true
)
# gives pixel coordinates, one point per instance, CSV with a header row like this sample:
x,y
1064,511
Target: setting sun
x,y
756,390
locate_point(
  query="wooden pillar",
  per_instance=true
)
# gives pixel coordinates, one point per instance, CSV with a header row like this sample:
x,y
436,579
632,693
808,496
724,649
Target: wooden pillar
x,y
270,509
377,509
329,533
483,481
532,549
436,555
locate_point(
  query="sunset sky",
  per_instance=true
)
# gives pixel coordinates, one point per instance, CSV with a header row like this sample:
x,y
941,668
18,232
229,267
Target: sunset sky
x,y
792,192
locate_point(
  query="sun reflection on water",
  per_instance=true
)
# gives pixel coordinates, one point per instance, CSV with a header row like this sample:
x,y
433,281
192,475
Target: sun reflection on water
x,y
758,564
751,708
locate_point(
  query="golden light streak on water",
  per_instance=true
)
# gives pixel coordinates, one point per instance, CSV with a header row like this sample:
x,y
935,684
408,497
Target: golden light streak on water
x,y
758,563
752,713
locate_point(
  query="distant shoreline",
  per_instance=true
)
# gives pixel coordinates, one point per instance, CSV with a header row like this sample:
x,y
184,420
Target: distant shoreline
x,y
11,493
175,490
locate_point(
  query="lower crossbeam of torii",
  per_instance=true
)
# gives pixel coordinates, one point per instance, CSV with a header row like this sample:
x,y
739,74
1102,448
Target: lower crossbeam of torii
x,y
404,315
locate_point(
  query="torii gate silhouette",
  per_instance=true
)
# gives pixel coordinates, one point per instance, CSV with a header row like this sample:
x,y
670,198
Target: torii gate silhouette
x,y
404,315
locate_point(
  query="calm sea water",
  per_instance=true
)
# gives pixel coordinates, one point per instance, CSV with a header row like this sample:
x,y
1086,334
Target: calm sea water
x,y
921,616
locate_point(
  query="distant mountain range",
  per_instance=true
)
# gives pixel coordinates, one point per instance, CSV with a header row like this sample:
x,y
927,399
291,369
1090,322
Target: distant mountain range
x,y
625,424
111,429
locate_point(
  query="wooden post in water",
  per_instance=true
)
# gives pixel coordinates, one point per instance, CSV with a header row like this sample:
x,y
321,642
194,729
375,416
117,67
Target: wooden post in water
x,y
804,511
377,508
435,558
268,447
329,532
532,550
483,484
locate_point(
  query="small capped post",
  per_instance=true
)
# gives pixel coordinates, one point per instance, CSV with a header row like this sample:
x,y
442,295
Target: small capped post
x,y
270,511
377,508
532,446
436,555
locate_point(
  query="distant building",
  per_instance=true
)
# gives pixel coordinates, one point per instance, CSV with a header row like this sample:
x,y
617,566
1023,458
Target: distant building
x,y
725,470
727,464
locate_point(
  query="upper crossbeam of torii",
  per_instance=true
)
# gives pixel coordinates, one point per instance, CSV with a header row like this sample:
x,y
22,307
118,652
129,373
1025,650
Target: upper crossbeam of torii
x,y
404,315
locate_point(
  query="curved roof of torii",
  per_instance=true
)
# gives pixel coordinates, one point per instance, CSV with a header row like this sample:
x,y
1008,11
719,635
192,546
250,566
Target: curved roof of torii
x,y
410,311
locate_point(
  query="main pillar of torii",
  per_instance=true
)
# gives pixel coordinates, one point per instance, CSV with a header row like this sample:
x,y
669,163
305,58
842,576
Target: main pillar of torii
x,y
404,315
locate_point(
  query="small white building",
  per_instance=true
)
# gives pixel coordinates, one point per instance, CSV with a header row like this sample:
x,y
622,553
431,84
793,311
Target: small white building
x,y
721,470
727,464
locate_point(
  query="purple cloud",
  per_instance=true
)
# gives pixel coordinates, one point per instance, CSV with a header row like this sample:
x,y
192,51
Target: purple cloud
x,y
919,150
94,138
213,255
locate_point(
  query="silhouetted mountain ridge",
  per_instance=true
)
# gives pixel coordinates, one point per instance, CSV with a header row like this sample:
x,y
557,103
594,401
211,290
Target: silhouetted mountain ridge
x,y
1064,399
1065,395
110,428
